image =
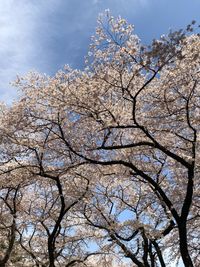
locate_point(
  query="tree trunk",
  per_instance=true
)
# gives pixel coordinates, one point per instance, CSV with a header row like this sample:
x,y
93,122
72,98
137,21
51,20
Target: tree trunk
x,y
184,245
51,250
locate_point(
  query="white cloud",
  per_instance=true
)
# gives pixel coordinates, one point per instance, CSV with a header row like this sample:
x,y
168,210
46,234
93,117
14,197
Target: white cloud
x,y
19,39
95,2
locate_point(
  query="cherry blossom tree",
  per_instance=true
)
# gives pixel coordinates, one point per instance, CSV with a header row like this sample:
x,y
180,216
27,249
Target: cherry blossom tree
x,y
127,127
11,198
130,218
49,228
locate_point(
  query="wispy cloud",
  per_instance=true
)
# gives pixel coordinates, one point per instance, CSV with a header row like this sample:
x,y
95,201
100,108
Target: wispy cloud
x,y
19,40
16,27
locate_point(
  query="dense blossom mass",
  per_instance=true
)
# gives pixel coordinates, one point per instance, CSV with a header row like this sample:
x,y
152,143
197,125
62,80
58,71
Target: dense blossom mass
x,y
100,167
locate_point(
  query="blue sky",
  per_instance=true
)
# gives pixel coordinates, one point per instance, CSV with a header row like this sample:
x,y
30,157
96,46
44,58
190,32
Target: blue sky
x,y
44,35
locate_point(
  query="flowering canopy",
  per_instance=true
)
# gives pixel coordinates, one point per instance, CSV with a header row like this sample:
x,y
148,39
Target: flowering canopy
x,y
109,156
